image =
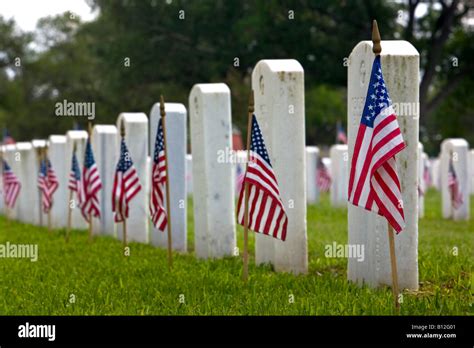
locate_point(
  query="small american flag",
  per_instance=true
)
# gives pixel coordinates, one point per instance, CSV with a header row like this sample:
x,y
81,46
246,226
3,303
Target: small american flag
x,y
11,186
323,179
373,180
453,186
75,183
47,183
7,139
265,208
158,182
341,134
240,175
427,174
126,184
91,185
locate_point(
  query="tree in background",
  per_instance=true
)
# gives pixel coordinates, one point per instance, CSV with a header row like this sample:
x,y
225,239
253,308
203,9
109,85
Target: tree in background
x,y
136,50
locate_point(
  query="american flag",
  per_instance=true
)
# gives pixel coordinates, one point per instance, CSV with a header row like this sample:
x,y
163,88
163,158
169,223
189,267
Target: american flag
x,y
341,135
126,184
158,181
265,208
240,175
373,180
453,186
75,183
7,139
47,183
426,179
323,179
427,174
91,185
11,186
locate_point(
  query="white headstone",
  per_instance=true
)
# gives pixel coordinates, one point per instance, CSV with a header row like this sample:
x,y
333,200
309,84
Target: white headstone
x,y
340,175
27,205
136,138
400,65
40,218
312,191
458,150
189,175
105,148
175,124
471,161
213,182
279,107
57,155
436,173
79,138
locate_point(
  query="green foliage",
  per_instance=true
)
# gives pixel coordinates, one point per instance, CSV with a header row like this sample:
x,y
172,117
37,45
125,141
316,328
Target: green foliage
x,y
136,50
104,282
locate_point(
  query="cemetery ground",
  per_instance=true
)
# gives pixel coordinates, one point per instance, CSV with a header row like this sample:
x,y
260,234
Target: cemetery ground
x,y
80,278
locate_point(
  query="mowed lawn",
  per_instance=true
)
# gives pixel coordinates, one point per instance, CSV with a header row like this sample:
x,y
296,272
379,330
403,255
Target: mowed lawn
x,y
80,278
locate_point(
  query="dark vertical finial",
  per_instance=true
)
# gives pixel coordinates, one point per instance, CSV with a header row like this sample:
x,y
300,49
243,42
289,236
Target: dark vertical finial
x,y
122,128
251,102
376,48
162,106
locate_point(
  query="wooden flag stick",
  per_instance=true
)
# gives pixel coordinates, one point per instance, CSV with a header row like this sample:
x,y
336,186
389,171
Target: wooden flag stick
x,y
168,203
245,272
393,260
39,154
377,49
45,156
90,214
69,210
124,223
69,215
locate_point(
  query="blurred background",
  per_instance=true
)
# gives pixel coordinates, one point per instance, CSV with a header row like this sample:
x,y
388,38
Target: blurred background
x,y
122,55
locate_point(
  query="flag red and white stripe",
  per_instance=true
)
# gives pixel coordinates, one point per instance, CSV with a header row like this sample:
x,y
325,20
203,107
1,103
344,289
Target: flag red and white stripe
x,y
158,181
266,212
373,182
11,186
453,186
48,183
323,178
75,182
126,185
91,185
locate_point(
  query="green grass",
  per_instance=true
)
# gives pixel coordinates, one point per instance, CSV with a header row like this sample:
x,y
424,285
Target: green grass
x,y
104,282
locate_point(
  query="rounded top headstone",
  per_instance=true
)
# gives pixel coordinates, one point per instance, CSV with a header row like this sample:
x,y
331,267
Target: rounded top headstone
x,y
58,139
24,146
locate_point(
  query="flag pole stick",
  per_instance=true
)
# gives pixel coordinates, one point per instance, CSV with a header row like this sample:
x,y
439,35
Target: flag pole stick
x,y
377,48
90,213
39,154
168,204
245,272
124,223
393,260
45,155
69,212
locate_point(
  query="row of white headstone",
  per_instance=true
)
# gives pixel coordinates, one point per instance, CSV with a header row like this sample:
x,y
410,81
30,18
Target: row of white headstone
x,y
279,106
337,163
